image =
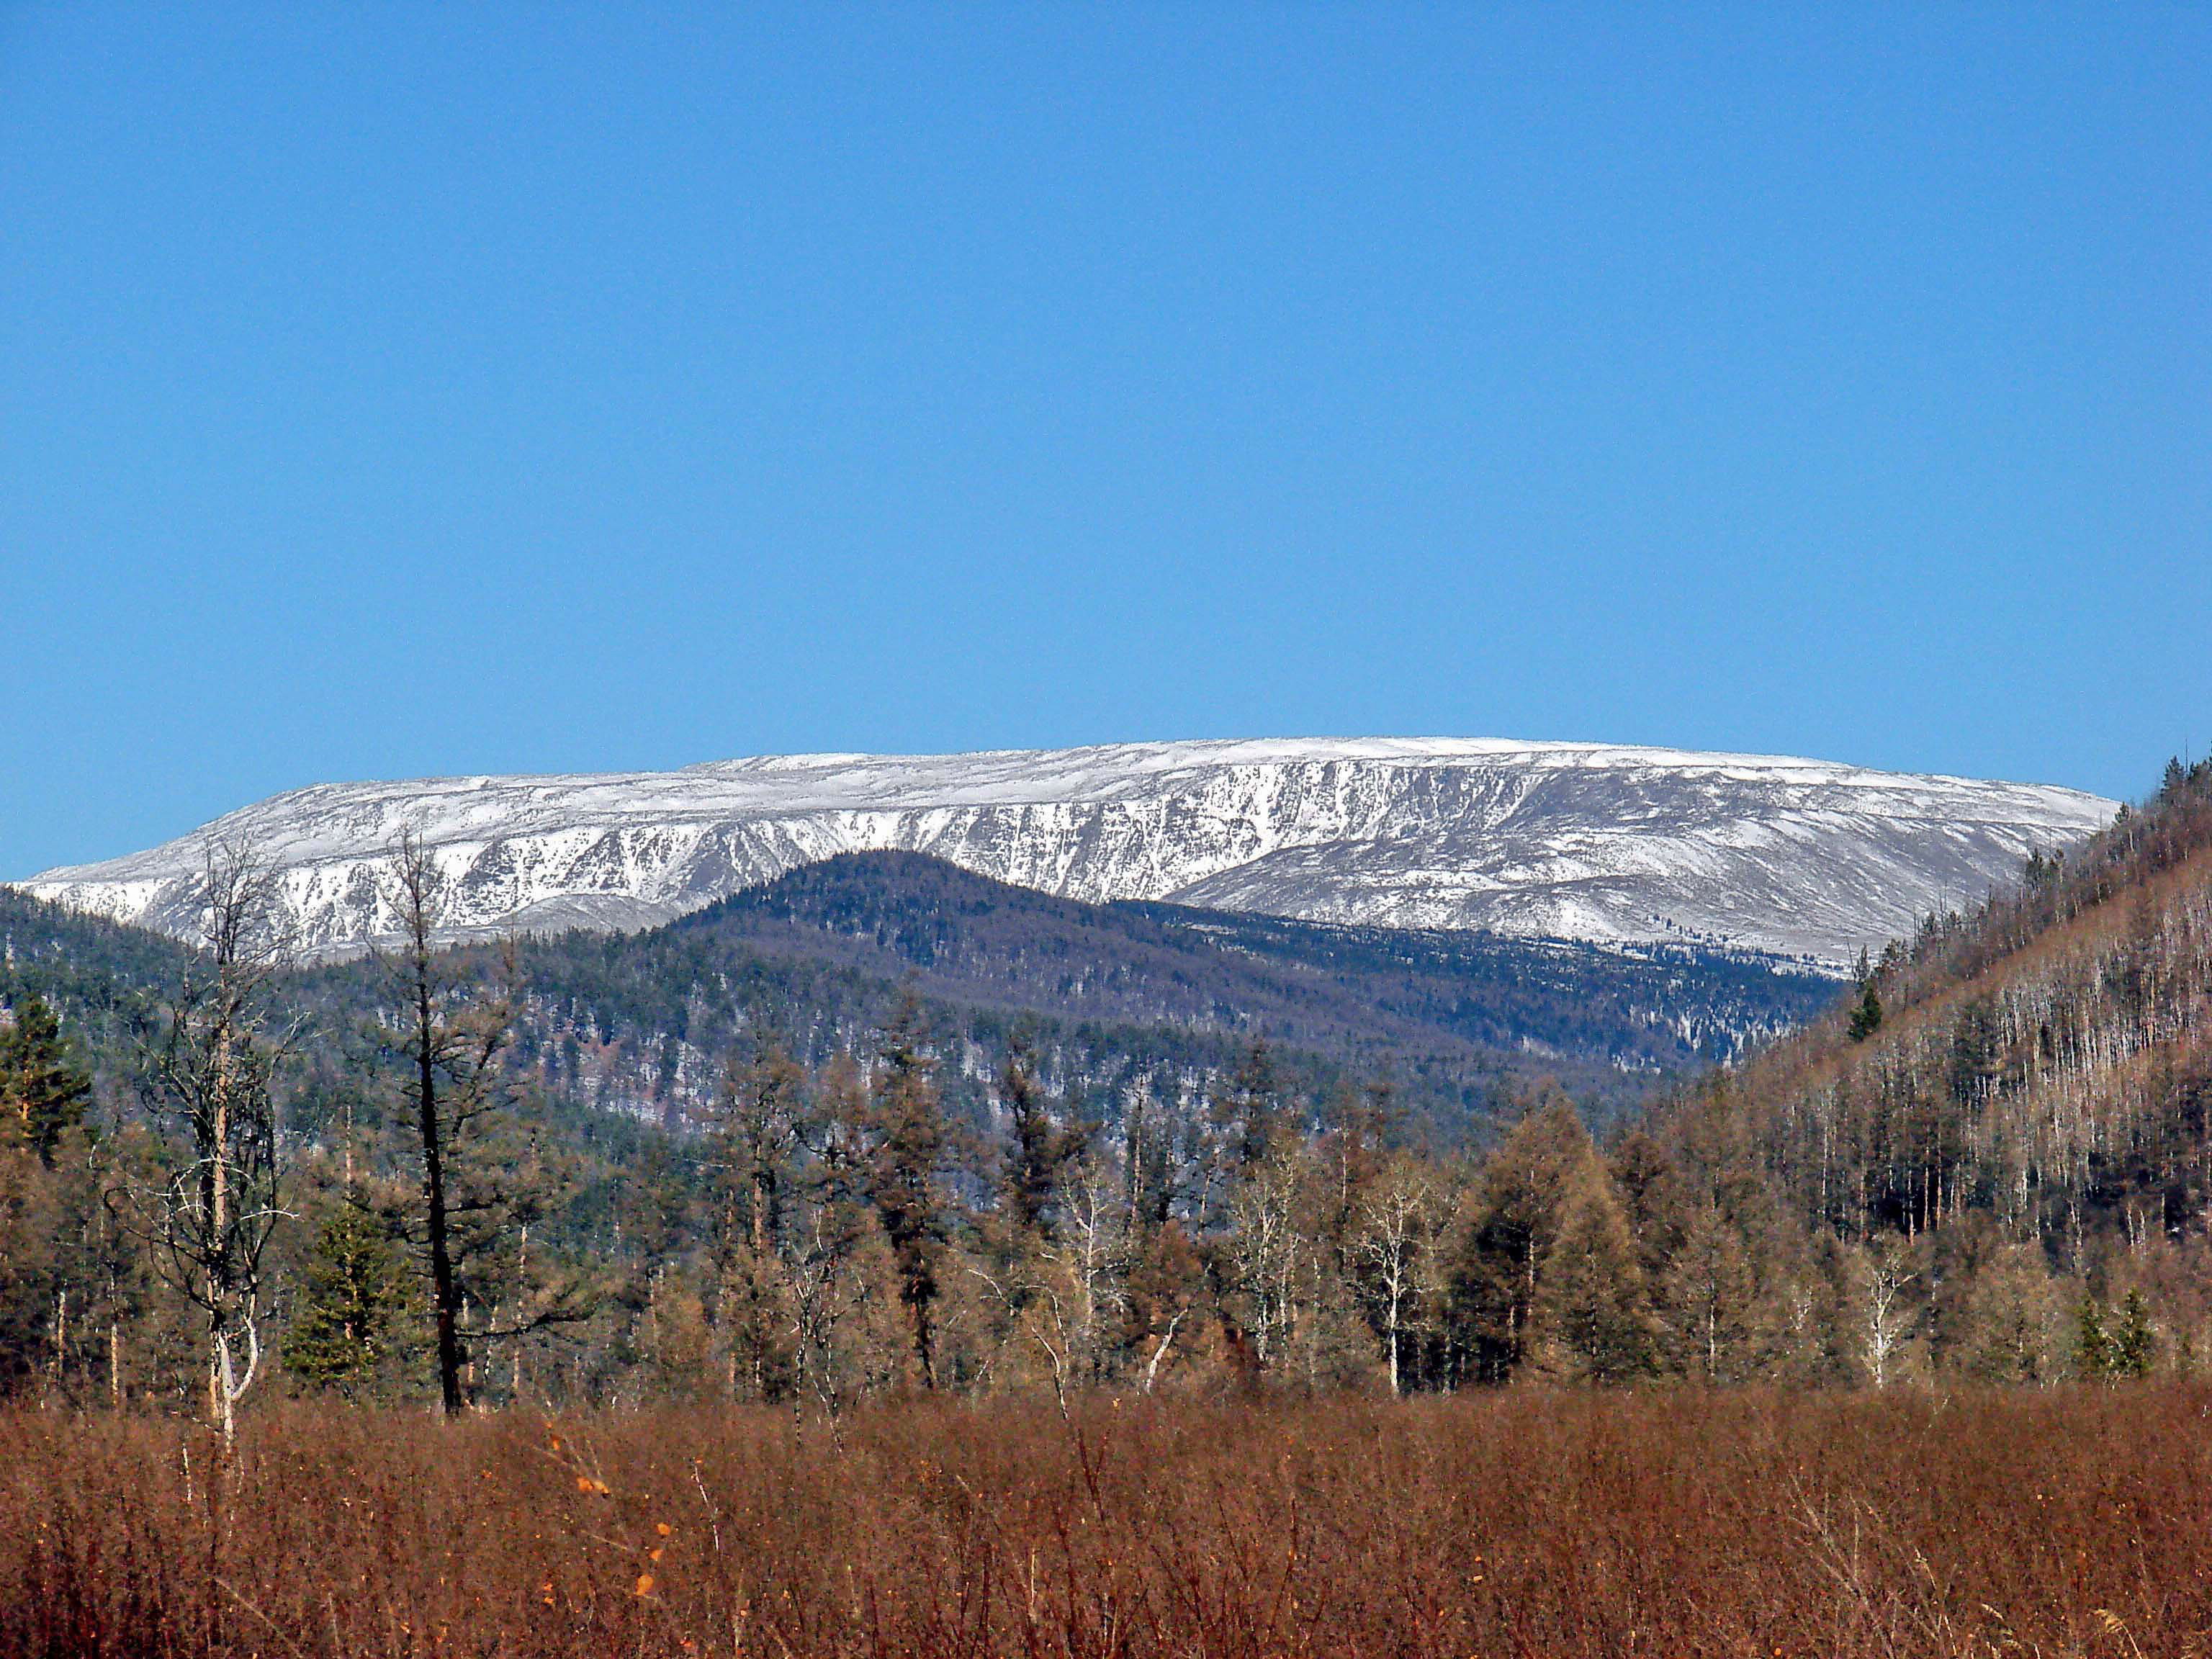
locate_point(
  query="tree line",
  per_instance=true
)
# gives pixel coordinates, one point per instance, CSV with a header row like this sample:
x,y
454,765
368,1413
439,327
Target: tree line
x,y
1992,1162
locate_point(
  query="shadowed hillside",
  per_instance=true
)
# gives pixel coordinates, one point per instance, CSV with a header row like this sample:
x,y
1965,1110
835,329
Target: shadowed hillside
x,y
965,936
1111,996
1112,991
1116,996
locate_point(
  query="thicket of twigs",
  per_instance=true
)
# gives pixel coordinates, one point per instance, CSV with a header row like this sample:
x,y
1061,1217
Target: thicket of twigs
x,y
1516,1523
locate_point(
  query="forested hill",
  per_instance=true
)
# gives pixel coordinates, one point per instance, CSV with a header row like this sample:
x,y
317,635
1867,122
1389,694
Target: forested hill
x,y
84,960
2045,1059
103,977
2008,1128
967,936
640,1022
1112,995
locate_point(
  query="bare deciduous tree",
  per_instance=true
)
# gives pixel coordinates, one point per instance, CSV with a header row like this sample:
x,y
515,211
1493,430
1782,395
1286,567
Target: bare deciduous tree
x,y
211,1070
1888,1317
1394,1228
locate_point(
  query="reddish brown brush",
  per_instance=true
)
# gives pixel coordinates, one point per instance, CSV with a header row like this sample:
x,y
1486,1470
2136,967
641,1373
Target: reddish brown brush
x,y
1518,1523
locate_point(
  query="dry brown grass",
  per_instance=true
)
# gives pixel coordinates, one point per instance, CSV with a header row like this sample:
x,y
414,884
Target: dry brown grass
x,y
1523,1523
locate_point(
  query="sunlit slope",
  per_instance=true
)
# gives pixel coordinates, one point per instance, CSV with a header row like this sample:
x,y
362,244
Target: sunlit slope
x,y
1580,842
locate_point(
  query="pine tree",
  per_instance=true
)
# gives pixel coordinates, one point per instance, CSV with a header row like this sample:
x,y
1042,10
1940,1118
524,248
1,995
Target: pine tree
x,y
2003,1331
33,1263
1521,1207
1246,1110
757,1317
1036,1163
41,1092
1712,1295
907,1132
1652,1201
1866,1013
2134,1345
757,1120
353,1330
2092,1348
485,1179
759,1115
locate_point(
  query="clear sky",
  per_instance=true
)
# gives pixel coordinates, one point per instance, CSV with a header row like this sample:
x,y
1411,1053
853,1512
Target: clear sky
x,y
390,391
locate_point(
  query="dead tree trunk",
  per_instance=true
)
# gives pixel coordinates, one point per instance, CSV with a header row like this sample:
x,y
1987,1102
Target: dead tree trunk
x,y
426,1039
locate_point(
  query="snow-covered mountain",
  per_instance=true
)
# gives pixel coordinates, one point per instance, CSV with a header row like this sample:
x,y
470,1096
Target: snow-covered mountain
x,y
1570,840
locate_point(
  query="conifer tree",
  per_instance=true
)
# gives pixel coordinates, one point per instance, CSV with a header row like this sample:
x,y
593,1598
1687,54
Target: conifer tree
x,y
1246,1108
2093,1347
1594,1307
1652,1201
1036,1163
2002,1334
32,1266
760,1114
1518,1212
1712,1295
351,1331
1048,1251
483,1182
41,1092
906,1126
2134,1345
453,1074
1866,1013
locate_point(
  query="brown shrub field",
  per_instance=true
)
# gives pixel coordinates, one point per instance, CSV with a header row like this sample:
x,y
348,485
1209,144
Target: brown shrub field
x,y
1511,1523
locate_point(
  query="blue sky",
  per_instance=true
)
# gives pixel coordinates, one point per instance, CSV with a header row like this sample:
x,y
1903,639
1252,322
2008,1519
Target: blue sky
x,y
390,391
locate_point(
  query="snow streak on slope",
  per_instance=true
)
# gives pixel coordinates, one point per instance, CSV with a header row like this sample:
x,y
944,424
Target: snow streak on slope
x,y
1570,840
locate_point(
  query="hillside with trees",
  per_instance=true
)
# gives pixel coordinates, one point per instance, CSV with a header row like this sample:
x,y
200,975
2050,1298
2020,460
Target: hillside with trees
x,y
1113,996
2002,1136
811,1145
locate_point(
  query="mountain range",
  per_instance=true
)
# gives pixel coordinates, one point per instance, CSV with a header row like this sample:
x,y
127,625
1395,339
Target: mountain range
x,y
1804,860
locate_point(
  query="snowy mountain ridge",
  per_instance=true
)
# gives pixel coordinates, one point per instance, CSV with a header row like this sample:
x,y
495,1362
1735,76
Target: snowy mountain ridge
x,y
1588,841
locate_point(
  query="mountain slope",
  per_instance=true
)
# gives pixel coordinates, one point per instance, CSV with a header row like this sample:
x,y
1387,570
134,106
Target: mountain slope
x,y
1152,998
1532,840
1118,995
100,976
965,936
2042,1062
